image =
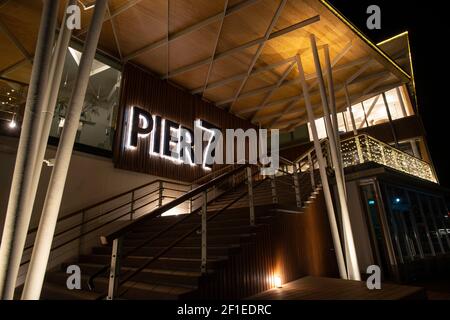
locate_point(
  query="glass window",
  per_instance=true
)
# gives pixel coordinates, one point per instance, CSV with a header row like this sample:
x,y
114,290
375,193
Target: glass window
x,y
98,116
396,106
370,112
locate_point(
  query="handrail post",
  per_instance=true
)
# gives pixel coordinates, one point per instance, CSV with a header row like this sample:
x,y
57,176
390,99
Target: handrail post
x,y
132,206
311,170
160,193
204,243
298,196
251,203
114,269
273,186
190,203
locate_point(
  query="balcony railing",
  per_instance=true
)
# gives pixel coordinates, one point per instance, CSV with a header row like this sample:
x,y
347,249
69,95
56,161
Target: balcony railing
x,y
363,148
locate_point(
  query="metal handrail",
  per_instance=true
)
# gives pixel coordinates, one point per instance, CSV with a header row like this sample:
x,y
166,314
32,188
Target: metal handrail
x,y
170,227
166,207
117,237
100,203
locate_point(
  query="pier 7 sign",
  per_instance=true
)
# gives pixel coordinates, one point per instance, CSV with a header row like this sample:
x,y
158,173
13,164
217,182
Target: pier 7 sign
x,y
203,144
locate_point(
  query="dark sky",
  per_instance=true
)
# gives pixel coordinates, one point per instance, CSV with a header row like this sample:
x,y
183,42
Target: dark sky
x,y
428,26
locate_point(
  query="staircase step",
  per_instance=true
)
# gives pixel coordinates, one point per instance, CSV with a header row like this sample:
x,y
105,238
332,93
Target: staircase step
x,y
169,263
177,252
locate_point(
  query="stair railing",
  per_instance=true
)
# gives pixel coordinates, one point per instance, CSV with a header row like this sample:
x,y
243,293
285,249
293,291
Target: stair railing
x,y
74,228
237,175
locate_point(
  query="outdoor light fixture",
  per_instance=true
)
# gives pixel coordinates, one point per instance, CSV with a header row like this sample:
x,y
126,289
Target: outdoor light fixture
x,y
277,281
13,123
397,200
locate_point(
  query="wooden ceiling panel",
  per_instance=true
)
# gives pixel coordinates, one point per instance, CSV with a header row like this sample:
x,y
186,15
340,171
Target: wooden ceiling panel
x,y
107,41
142,24
196,46
192,79
22,19
232,65
22,74
184,13
286,91
247,24
155,60
245,103
224,92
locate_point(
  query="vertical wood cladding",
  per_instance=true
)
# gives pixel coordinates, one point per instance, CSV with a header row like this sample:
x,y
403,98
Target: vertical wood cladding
x,y
290,246
143,90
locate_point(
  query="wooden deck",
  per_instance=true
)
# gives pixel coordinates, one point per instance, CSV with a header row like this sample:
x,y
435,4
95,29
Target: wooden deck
x,y
317,288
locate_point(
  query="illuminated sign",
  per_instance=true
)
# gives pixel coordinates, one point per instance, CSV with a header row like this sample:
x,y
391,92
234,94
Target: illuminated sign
x,y
171,140
204,145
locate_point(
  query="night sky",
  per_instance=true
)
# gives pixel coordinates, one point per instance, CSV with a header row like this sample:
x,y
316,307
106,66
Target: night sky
x,y
428,27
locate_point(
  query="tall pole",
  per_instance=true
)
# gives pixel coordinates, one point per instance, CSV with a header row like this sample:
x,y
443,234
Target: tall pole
x,y
47,224
19,210
394,134
332,109
412,142
349,107
51,96
352,260
323,174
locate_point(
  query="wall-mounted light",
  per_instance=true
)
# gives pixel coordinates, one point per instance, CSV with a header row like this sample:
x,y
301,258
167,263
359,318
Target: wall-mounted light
x,y
13,123
277,281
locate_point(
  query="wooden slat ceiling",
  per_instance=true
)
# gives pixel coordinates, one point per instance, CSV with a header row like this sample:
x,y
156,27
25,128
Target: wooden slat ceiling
x,y
193,48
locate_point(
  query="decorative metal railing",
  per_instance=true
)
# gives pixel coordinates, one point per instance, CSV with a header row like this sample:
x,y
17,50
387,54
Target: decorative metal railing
x,y
363,148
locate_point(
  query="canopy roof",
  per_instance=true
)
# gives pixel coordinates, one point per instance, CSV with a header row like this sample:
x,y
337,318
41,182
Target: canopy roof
x,y
238,54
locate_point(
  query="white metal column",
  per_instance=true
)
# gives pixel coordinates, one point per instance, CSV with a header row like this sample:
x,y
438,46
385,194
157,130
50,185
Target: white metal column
x,y
47,224
51,96
352,260
19,207
323,174
350,111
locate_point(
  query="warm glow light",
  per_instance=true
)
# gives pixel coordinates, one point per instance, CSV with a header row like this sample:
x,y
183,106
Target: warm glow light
x,y
277,281
12,124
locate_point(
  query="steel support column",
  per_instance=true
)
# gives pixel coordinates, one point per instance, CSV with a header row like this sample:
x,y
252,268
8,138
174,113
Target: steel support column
x,y
19,208
352,259
323,174
47,224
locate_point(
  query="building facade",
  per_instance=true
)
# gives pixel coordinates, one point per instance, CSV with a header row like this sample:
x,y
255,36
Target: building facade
x,y
356,186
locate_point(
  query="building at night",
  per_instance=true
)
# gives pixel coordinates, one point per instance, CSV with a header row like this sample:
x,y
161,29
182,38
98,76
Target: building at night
x,y
94,101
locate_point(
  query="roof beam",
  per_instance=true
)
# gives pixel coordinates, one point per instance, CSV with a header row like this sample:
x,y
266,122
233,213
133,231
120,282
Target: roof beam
x,y
211,63
336,59
280,81
299,98
268,88
190,29
244,46
113,14
16,41
113,26
364,60
259,51
14,67
240,76
3,3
